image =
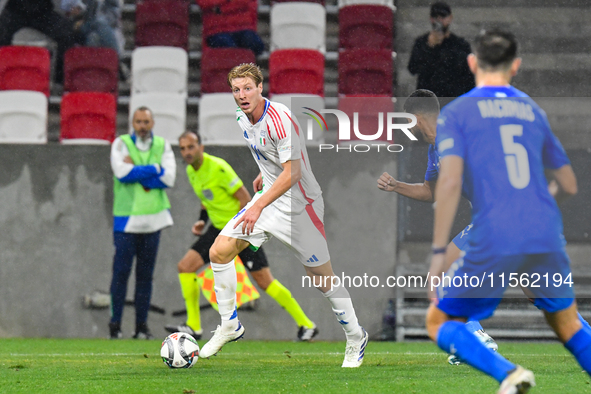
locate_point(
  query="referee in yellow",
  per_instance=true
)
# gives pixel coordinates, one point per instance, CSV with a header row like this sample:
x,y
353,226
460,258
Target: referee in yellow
x,y
222,195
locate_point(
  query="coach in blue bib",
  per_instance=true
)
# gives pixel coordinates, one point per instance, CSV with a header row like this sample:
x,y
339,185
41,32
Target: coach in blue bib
x,y
143,166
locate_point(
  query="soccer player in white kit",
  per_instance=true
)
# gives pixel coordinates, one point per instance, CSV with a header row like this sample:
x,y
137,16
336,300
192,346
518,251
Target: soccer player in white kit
x,y
288,205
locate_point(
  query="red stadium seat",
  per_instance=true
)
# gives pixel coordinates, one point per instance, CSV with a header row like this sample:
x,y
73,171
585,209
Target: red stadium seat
x,y
296,1
368,108
222,16
296,71
365,71
217,63
89,69
88,116
24,68
366,26
163,23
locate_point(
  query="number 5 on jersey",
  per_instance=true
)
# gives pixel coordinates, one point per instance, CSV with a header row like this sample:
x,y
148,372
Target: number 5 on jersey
x,y
515,156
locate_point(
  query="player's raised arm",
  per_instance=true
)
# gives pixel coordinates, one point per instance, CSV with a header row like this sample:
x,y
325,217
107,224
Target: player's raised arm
x,y
417,191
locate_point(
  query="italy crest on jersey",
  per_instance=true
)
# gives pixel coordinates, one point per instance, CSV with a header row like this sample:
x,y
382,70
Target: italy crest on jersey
x,y
262,139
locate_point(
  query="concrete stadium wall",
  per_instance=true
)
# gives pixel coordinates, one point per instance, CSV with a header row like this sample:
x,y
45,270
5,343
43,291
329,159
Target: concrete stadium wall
x,y
56,243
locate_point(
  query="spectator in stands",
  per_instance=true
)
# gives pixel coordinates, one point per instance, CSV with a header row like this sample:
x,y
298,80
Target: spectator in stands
x,y
39,15
231,24
98,23
440,57
110,11
144,166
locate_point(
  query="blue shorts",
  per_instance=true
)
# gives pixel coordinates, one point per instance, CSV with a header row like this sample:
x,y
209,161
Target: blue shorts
x,y
481,285
461,240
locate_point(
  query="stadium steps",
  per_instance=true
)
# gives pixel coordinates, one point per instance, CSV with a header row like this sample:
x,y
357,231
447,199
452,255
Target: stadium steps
x,y
411,325
556,63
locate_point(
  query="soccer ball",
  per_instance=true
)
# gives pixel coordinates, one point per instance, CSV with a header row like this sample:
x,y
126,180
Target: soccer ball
x,y
179,350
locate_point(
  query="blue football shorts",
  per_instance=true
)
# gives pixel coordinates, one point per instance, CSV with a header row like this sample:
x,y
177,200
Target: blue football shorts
x,y
475,289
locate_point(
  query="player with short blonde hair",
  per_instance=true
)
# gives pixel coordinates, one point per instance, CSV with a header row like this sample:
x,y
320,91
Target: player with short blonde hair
x,y
288,205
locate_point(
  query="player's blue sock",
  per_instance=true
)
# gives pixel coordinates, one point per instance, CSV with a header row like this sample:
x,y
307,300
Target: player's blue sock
x,y
584,322
473,326
453,337
580,346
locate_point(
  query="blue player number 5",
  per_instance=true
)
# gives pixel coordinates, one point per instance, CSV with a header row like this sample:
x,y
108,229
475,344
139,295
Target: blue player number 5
x,y
515,156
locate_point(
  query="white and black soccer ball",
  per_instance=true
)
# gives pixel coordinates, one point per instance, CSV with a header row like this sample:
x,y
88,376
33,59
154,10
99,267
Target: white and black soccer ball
x,y
179,350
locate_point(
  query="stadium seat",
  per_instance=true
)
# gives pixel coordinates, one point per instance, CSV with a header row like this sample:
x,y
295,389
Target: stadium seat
x,y
24,68
159,69
296,71
387,3
297,1
88,118
227,16
367,107
299,105
366,26
217,120
217,63
365,71
298,25
169,111
23,117
88,69
162,22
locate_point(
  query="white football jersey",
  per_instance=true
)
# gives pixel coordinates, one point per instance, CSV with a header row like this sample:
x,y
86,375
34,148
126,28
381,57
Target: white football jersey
x,y
277,138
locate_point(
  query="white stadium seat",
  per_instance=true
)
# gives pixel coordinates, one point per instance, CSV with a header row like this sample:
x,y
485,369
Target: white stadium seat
x,y
169,110
217,120
388,3
23,117
298,25
159,69
296,103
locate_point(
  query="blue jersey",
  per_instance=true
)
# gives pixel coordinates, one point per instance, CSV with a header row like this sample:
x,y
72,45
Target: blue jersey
x,y
505,140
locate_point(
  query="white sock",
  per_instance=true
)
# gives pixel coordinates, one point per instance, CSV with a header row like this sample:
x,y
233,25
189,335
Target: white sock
x,y
343,309
224,276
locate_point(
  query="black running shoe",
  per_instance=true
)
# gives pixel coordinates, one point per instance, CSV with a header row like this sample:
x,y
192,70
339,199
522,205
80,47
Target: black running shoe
x,y
184,328
305,334
115,331
142,332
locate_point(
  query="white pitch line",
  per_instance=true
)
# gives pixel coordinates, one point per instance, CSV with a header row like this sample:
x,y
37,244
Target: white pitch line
x,y
263,354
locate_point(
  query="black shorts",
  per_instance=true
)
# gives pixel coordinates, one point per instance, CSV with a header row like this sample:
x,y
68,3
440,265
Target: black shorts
x,y
253,261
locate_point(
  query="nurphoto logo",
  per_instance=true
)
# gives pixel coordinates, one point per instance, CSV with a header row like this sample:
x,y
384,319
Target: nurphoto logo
x,y
345,135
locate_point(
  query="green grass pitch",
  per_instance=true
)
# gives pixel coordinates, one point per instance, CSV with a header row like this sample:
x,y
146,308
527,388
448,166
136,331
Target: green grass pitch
x,y
129,366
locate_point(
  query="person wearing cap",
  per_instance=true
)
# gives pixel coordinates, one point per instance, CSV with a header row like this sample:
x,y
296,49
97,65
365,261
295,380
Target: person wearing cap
x,y
439,57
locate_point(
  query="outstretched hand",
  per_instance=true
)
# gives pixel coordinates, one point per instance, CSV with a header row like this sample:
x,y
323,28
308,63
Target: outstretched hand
x,y
386,182
248,219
